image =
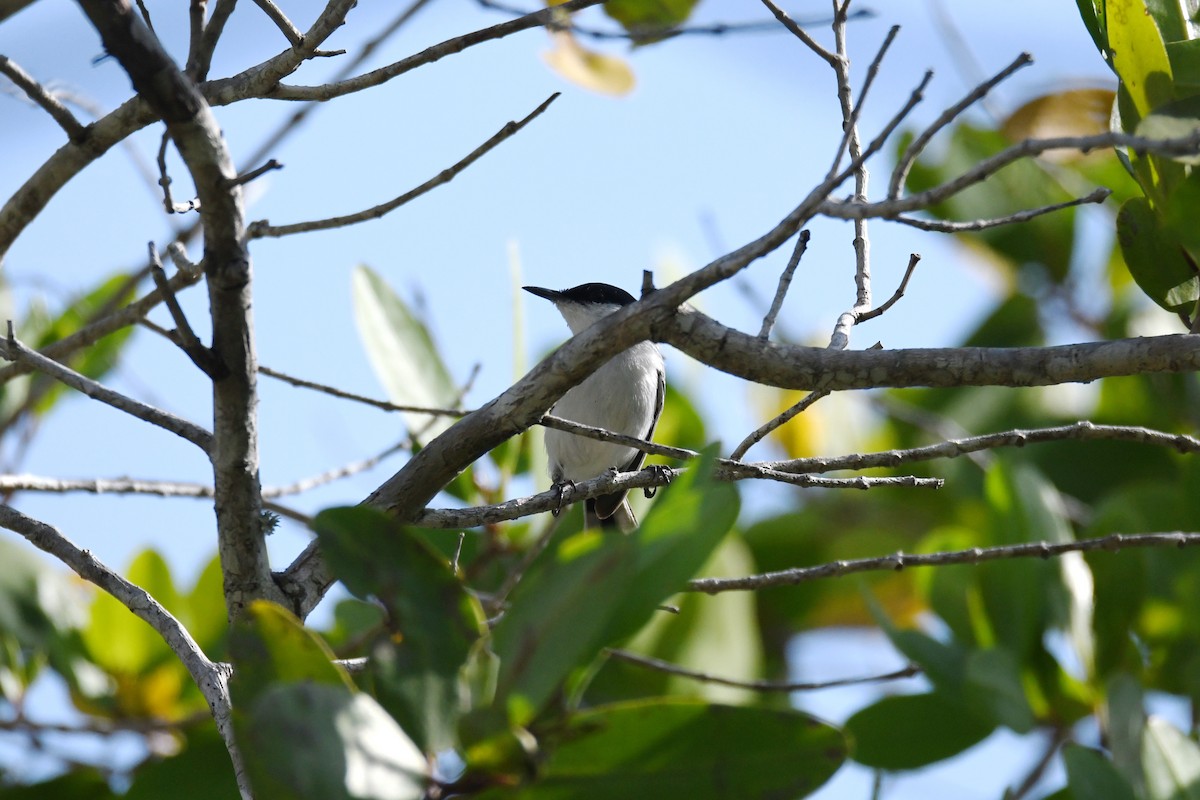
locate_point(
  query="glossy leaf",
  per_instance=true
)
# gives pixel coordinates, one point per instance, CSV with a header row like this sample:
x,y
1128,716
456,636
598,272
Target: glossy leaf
x,y
402,353
646,18
687,750
911,731
434,620
1091,776
320,741
1139,55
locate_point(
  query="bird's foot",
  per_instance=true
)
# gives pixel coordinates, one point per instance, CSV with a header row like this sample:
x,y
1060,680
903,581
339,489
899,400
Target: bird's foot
x,y
562,488
662,473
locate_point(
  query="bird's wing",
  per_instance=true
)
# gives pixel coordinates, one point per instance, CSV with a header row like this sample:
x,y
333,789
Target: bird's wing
x,y
606,504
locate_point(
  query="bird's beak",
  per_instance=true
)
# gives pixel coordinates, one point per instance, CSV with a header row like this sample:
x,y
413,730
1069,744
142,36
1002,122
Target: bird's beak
x,y
548,294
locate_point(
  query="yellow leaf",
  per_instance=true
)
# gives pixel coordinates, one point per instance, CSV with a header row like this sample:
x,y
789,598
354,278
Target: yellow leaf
x,y
1075,112
591,70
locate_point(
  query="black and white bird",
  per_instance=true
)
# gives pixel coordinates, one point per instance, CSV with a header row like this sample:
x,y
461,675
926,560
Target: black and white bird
x,y
625,395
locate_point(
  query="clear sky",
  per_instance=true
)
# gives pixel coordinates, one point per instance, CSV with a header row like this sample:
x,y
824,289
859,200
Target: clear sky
x,y
720,138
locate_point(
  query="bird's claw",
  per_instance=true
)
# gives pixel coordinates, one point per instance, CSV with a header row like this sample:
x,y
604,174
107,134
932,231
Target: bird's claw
x,y
561,487
662,473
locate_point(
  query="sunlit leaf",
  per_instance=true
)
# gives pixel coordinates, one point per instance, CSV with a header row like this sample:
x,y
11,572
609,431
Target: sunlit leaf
x,y
320,741
1156,259
1172,762
598,72
1139,55
1072,112
647,19
402,353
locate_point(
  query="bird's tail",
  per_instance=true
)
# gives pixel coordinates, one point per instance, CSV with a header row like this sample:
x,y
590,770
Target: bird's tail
x,y
622,518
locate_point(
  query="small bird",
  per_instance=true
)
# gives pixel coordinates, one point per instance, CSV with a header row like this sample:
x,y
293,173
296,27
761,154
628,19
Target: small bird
x,y
625,395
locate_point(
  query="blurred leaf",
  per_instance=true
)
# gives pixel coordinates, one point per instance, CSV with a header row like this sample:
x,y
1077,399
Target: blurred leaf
x,y
1091,776
402,353
269,645
1185,65
686,750
557,616
319,741
911,731
434,619
1156,258
200,771
1125,724
598,72
79,784
1072,112
1171,761
205,614
122,642
994,686
644,19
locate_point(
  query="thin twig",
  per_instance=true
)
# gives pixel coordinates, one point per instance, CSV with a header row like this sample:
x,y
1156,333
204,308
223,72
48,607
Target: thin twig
x,y
976,555
917,146
945,226
800,33
13,350
913,260
850,126
785,281
333,391
255,173
204,358
953,448
76,131
658,665
291,32
164,180
765,430
264,229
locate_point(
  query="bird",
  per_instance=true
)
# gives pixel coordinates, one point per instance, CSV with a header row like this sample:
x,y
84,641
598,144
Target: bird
x,y
625,395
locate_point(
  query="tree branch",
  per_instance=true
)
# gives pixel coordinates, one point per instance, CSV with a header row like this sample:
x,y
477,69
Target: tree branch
x,y
976,555
75,130
12,350
210,678
263,229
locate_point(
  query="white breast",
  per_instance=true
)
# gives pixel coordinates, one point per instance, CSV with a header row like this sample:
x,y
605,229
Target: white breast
x,y
617,397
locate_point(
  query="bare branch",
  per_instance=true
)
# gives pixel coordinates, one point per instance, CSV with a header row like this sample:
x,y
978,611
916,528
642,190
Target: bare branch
x,y
185,337
200,59
976,555
427,56
658,665
75,130
210,678
801,34
953,448
774,424
38,483
13,350
913,260
263,229
164,180
333,391
785,281
256,173
918,145
942,226
290,32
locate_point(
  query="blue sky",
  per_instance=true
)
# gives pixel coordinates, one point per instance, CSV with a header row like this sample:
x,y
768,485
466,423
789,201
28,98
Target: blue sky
x,y
719,139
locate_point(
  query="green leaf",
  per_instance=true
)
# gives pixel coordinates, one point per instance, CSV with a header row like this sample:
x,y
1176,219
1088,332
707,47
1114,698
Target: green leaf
x,y
1092,12
994,687
1171,761
1091,776
200,771
80,784
645,18
402,353
1155,257
320,741
269,645
687,750
122,642
680,533
911,731
1125,725
415,673
1185,65
557,617
1139,55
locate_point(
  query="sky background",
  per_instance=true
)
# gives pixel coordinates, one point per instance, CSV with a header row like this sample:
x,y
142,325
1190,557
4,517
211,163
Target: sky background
x,y
720,138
